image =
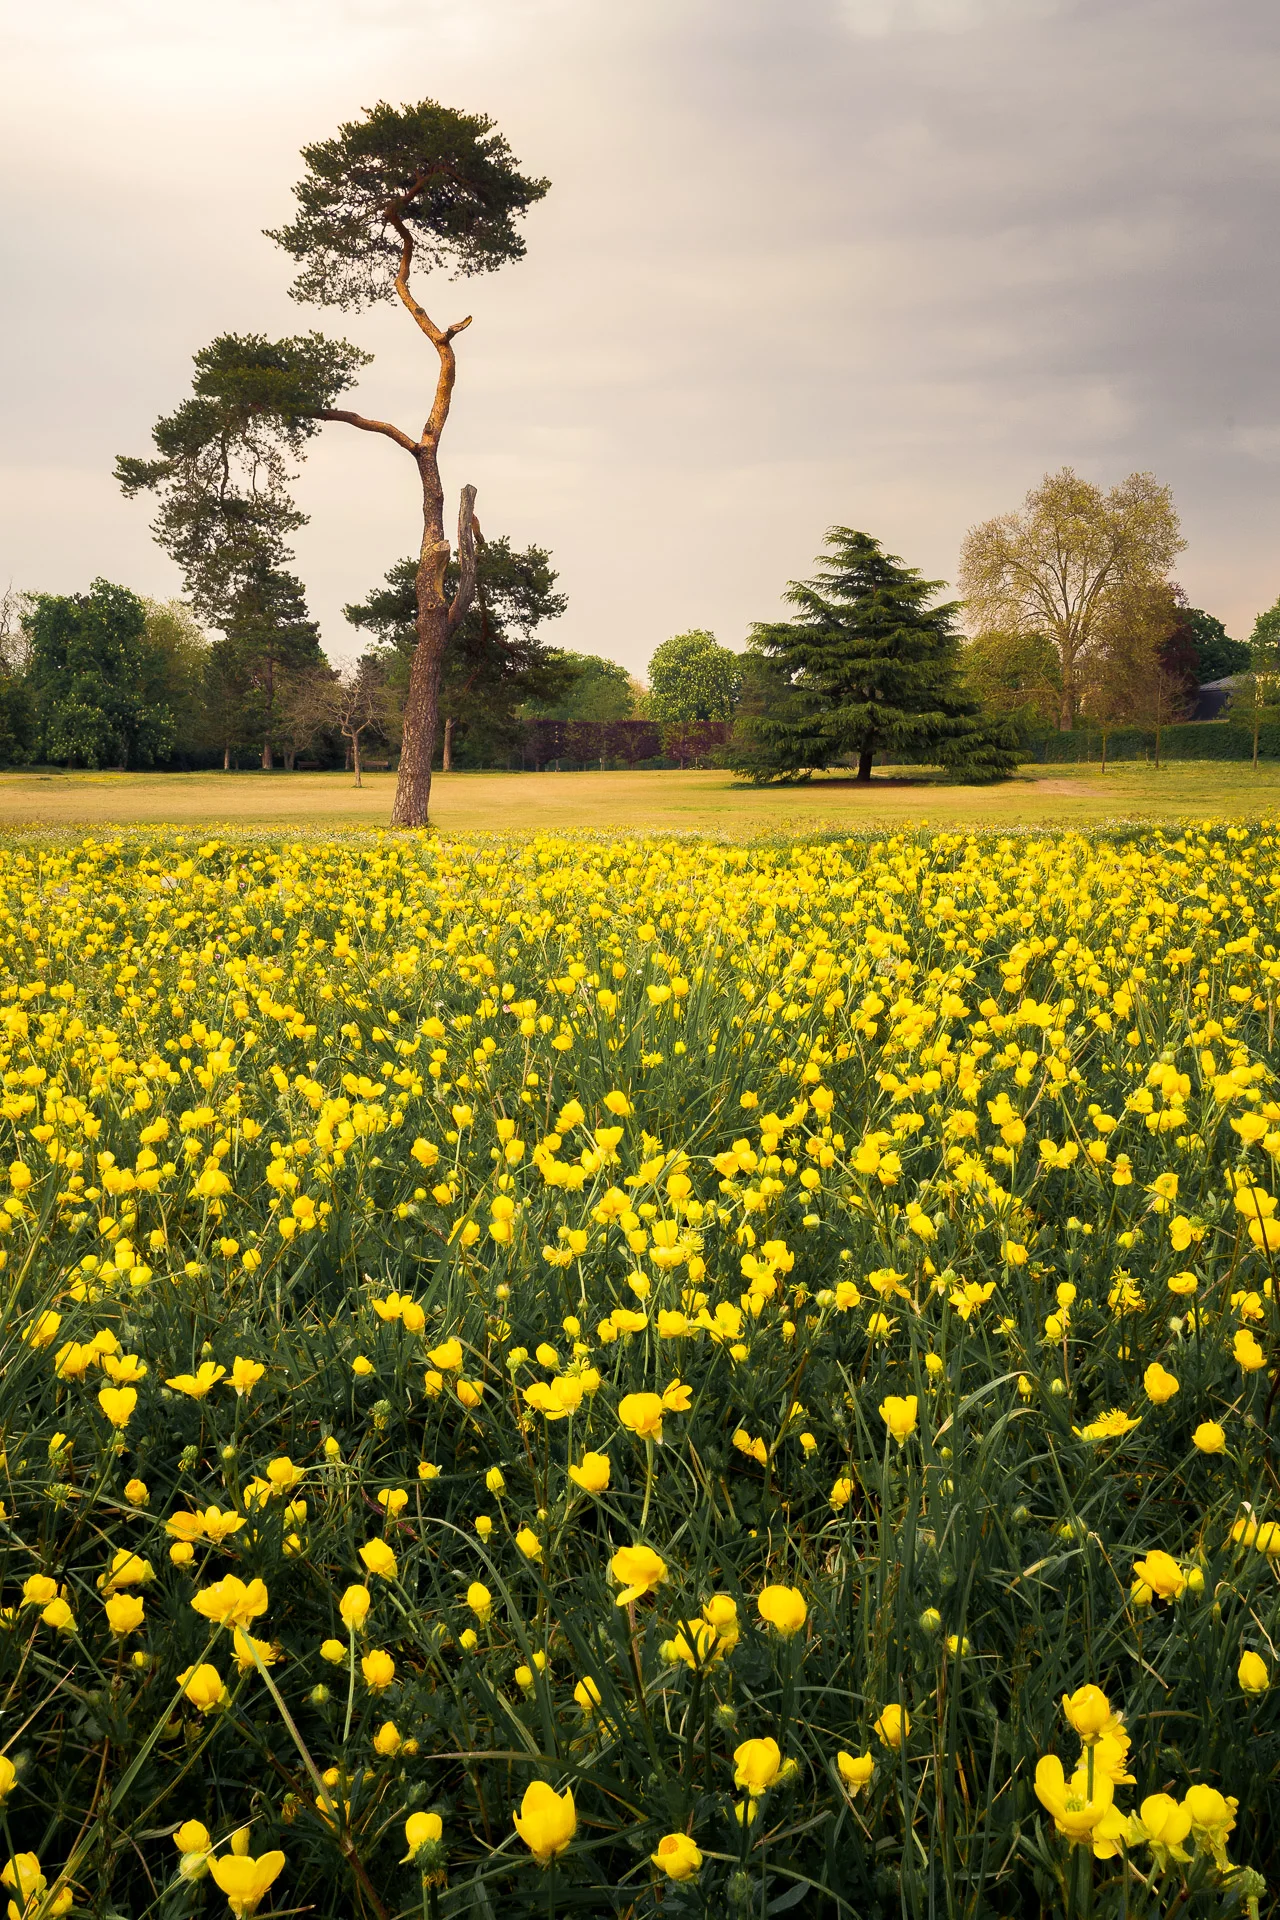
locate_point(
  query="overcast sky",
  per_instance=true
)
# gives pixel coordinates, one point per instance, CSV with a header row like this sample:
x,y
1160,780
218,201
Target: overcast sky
x,y
879,262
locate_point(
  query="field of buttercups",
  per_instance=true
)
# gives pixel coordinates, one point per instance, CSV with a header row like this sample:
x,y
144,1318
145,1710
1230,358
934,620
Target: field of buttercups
x,y
639,1377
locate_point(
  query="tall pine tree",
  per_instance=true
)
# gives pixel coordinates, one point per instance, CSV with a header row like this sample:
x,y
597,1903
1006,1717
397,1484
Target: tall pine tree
x,y
868,666
270,635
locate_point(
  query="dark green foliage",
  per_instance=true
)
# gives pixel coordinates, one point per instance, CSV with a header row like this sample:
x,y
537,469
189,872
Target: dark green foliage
x,y
270,635
1217,654
598,689
1264,643
1220,740
447,178
868,666
226,458
17,721
96,680
495,660
989,749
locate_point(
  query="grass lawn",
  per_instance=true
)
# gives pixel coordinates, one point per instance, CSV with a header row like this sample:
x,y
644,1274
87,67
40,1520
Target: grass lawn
x,y
643,802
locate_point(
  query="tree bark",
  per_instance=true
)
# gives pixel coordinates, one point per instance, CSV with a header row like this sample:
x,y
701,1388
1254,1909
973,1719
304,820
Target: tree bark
x,y
864,765
446,758
267,762
355,754
437,619
226,759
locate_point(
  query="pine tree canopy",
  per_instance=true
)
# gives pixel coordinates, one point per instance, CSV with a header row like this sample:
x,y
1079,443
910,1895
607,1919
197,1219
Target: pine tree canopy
x,y
870,664
447,179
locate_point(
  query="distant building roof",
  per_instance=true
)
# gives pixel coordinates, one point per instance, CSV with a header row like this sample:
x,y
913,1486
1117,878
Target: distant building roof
x,y
1213,696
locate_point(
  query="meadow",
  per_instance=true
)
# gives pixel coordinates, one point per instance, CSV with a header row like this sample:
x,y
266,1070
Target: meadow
x,y
709,802
640,1376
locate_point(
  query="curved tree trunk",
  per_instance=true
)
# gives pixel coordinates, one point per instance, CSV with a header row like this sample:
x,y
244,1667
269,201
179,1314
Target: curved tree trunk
x,y
446,758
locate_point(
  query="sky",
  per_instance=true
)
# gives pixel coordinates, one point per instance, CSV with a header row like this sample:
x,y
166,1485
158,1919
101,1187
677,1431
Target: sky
x,y
880,263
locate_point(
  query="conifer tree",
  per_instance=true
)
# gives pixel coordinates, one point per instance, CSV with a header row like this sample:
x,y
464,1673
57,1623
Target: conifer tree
x,y
869,665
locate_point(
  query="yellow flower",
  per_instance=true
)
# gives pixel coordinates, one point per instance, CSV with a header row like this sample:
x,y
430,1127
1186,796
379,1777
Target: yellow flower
x,y
1209,1437
470,1392
893,1725
124,1370
195,1846
1077,1813
245,1375
1213,1816
677,1857
283,1474
244,1647
1089,1711
1159,1575
591,1473
782,1608
137,1493
1108,1426
855,1769
899,1415
480,1601
1252,1673
196,1385
547,1821
124,1613
38,1589
721,1612
118,1404
354,1607
756,1765
378,1668
1161,1824
387,1740
230,1602
244,1880
447,1357
23,1874
59,1616
699,1647
379,1559
8,1775
642,1413
638,1570
556,1399
126,1570
1160,1385
421,1830
43,1330
588,1696
529,1543
203,1687
1249,1355
218,1526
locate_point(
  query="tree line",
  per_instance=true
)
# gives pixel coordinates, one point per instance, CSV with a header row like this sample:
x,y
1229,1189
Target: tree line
x,y
1072,621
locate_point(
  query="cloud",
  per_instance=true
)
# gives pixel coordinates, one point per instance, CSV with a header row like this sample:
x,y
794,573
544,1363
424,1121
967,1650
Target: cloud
x,y
823,262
